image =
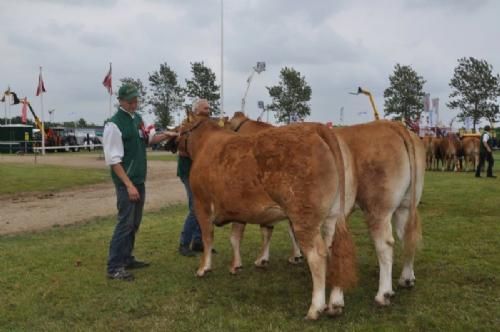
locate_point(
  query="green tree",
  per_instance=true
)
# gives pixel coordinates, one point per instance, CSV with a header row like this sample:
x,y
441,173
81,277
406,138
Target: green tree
x,y
143,102
290,98
202,85
167,96
81,123
474,90
404,96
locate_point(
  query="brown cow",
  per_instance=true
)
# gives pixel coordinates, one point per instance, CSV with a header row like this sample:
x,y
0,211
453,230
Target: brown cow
x,y
470,146
242,125
429,153
436,148
384,166
292,172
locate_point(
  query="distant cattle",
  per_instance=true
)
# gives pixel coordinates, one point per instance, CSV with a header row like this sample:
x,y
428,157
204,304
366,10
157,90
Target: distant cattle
x,y
449,149
470,147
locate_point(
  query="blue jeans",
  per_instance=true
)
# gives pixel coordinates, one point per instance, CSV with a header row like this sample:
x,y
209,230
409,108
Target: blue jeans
x,y
191,231
129,219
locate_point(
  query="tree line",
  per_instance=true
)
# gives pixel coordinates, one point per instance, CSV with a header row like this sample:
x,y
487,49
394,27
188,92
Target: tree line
x,y
474,93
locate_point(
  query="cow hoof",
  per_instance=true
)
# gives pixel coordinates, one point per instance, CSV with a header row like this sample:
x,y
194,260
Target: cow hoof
x,y
235,270
334,310
262,263
385,300
313,314
296,260
407,283
202,272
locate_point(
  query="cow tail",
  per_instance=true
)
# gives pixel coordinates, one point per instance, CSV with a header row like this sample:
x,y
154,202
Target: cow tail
x,y
413,229
342,259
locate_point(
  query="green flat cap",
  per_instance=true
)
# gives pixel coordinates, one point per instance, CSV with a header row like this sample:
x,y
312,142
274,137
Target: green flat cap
x,y
128,92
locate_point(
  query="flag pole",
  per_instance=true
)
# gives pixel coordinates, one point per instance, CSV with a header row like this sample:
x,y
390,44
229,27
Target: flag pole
x,y
110,95
43,116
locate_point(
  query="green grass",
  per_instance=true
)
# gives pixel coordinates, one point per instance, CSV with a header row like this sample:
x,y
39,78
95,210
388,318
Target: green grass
x,y
22,178
457,273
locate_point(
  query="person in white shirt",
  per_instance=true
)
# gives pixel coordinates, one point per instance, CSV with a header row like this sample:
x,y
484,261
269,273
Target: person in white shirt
x,y
124,141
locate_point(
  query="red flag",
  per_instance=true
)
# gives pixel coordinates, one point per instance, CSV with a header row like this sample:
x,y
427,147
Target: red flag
x,y
24,111
107,81
41,86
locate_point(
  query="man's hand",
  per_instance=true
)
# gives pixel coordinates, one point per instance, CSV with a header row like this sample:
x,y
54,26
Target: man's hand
x,y
133,194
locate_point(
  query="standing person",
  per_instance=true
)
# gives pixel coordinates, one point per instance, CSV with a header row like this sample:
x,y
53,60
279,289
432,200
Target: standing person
x,y
125,141
190,239
485,153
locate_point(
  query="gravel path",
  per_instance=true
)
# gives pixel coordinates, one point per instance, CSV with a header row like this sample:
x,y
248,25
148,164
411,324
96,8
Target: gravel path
x,y
37,211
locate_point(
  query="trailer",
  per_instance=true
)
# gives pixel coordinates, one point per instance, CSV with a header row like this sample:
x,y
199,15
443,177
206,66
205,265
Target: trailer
x,y
16,138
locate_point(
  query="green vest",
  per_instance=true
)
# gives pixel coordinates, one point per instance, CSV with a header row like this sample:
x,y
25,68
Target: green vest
x,y
482,149
134,147
183,167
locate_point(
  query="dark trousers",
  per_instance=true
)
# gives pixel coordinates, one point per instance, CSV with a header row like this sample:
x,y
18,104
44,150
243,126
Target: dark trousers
x,y
129,219
191,231
485,156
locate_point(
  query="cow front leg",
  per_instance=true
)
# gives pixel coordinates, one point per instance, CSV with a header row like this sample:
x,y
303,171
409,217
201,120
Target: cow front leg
x,y
263,259
207,235
296,256
237,231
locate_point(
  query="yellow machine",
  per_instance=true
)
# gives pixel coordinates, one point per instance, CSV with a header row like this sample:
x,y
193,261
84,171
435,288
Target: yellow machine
x,y
372,102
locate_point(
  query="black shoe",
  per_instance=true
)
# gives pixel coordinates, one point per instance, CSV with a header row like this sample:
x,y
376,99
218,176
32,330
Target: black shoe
x,y
121,274
135,264
185,251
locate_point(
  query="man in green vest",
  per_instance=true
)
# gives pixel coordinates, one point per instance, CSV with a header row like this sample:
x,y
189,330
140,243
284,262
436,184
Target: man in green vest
x,y
124,140
485,153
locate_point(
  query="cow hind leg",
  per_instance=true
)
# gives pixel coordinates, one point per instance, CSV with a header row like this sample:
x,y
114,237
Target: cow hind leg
x,y
336,300
237,231
314,249
381,233
409,232
263,259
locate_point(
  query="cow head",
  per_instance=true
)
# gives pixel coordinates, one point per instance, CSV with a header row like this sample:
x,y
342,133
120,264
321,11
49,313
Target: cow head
x,y
185,130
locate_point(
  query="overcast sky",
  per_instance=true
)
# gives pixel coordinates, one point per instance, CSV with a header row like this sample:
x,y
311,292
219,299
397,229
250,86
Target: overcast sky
x,y
337,45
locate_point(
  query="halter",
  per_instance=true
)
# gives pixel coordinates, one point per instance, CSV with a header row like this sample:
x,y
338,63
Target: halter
x,y
241,124
188,132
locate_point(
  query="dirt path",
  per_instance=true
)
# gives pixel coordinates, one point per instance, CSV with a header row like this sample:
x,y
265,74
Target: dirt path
x,y
33,212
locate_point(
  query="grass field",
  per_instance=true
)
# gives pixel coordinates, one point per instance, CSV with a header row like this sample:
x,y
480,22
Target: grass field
x,y
44,288
21,178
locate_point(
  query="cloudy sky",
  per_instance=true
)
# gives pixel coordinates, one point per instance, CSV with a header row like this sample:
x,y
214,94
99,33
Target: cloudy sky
x,y
337,45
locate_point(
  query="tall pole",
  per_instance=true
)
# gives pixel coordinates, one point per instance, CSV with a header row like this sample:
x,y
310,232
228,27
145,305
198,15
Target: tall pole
x,y
9,116
5,104
222,57
43,116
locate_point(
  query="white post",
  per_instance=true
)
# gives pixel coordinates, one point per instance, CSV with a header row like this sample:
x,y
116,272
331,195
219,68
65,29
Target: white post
x,y
5,104
43,116
222,57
